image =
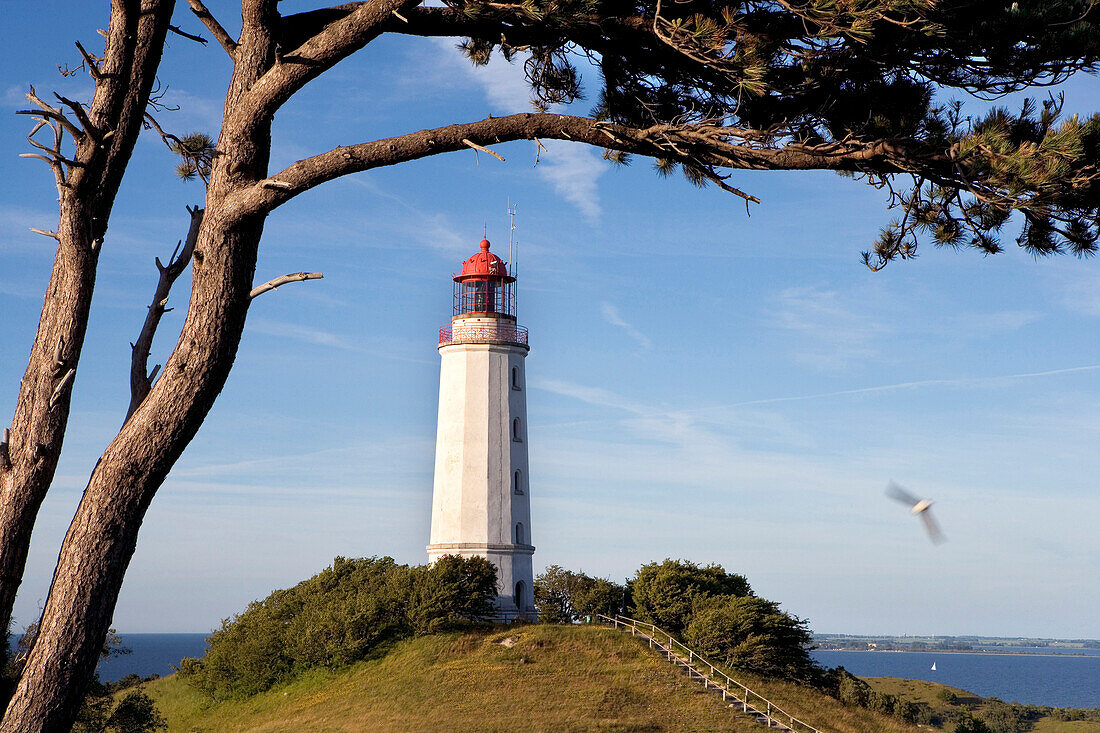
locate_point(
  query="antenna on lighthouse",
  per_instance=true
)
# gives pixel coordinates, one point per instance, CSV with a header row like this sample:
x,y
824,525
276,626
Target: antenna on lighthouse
x,y
513,248
513,245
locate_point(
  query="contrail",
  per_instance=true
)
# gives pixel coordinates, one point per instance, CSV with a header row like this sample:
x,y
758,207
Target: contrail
x,y
905,385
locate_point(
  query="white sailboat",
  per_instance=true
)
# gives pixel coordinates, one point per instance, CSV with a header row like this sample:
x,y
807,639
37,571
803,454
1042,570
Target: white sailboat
x,y
933,666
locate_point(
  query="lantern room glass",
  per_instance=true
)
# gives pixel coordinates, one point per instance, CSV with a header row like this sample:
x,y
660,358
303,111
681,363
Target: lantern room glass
x,y
485,295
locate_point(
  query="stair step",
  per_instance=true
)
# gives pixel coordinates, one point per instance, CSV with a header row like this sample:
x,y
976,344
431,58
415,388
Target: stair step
x,y
687,664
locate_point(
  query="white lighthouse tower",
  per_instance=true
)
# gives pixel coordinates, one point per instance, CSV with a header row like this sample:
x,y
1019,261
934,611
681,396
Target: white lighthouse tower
x,y
481,498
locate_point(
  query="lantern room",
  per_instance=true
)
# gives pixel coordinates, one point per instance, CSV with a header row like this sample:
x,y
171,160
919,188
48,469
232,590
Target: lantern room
x,y
484,286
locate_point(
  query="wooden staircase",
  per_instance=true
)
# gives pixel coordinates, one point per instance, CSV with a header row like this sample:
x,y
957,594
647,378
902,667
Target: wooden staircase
x,y
735,694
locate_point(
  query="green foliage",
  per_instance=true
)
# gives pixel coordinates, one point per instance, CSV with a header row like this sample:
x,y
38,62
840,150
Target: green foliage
x,y
95,710
7,671
853,691
136,713
564,597
752,634
665,594
450,591
196,152
872,77
337,617
970,724
1002,717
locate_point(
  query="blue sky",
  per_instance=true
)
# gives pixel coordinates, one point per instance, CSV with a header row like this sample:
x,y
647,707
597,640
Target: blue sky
x,y
702,384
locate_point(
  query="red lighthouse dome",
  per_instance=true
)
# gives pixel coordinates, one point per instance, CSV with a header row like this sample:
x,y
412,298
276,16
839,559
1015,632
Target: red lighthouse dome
x,y
484,265
484,304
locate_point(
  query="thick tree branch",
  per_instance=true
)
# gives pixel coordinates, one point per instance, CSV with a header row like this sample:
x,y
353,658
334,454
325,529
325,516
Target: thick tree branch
x,y
141,379
700,145
294,277
215,28
332,43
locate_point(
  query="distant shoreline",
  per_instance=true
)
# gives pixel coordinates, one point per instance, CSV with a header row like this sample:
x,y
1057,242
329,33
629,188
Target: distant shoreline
x,y
1068,655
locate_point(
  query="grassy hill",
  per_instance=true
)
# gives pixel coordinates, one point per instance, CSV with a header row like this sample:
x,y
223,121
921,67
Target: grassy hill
x,y
530,678
541,678
944,700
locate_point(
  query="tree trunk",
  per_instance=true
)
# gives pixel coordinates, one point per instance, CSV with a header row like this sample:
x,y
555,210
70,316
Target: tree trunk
x,y
135,41
103,534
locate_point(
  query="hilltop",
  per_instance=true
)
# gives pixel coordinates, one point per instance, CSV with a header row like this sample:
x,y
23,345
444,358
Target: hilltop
x,y
526,678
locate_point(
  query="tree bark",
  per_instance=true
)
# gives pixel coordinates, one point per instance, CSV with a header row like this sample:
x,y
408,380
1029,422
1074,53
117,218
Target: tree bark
x,y
135,39
103,535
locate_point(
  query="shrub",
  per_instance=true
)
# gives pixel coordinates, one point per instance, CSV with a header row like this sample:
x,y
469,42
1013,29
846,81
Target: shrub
x,y
947,696
563,596
136,713
451,591
752,634
337,617
665,594
970,724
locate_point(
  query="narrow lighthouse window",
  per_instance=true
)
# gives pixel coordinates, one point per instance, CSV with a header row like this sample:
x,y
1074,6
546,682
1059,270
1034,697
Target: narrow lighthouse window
x,y
515,431
519,533
517,483
515,378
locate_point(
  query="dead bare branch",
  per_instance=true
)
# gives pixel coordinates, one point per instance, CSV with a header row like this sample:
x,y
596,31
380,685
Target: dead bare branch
x,y
215,28
482,148
180,32
90,62
291,278
78,110
65,382
141,381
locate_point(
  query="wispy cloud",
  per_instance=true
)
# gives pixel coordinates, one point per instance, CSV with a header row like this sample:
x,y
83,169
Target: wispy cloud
x,y
295,332
1004,379
1083,296
833,335
398,349
611,315
998,322
572,169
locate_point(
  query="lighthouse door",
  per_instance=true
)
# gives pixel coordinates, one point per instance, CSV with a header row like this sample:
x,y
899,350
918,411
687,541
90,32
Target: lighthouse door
x,y
519,595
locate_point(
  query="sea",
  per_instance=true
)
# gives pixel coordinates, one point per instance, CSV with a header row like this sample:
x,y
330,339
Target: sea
x,y
1065,678
1061,678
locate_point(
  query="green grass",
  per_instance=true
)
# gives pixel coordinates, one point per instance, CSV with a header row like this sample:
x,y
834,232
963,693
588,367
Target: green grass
x,y
552,678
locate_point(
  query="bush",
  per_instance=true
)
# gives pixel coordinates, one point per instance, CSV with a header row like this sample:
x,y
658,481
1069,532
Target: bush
x,y
970,724
136,713
752,634
337,617
452,591
564,597
665,594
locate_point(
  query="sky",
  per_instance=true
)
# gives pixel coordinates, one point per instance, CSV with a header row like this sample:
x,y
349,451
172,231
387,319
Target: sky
x,y
702,384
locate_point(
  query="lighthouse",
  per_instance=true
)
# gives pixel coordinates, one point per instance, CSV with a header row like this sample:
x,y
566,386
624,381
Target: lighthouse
x,y
481,495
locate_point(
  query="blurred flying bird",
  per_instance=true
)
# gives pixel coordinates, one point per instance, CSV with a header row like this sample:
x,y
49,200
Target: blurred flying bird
x,y
920,507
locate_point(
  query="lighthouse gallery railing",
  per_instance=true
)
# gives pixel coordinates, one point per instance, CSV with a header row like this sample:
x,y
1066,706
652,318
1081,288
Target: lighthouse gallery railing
x,y
494,334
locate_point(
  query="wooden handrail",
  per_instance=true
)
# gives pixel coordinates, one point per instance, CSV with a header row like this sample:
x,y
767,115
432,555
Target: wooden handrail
x,y
750,700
